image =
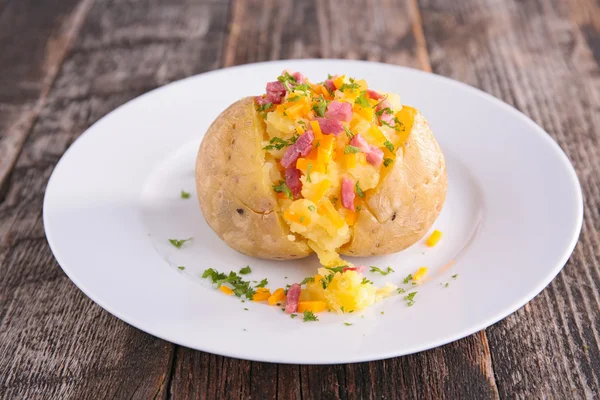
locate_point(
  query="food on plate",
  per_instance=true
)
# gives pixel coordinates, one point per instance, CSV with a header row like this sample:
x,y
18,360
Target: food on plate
x,y
333,168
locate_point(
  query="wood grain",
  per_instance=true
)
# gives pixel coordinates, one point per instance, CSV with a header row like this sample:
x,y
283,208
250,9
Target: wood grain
x,y
390,32
34,41
541,57
54,342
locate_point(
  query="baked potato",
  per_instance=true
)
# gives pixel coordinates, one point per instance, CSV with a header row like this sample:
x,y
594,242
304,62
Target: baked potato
x,y
332,168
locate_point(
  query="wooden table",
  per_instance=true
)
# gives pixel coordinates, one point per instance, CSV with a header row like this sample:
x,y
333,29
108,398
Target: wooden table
x,y
66,63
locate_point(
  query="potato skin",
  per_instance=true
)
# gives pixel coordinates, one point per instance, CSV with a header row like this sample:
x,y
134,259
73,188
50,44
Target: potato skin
x,y
237,202
406,202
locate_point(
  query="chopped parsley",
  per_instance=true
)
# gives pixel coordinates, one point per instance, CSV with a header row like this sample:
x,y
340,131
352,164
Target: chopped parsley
x,y
320,108
359,191
308,173
381,102
295,98
407,279
339,268
307,280
362,100
262,283
184,194
351,149
447,284
283,188
400,291
382,313
302,219
454,276
279,143
181,267
386,110
410,298
375,269
387,162
309,316
303,87
347,324
387,124
348,133
399,125
178,243
365,281
334,200
312,208
325,281
292,316
246,270
240,287
352,86
358,208
389,145
287,79
245,309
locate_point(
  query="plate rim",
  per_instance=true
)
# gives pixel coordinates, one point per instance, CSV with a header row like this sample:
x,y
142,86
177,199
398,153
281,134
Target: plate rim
x,y
351,358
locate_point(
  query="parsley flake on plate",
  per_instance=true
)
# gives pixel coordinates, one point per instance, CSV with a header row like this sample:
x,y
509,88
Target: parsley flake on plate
x,y
407,279
410,298
380,271
184,194
179,242
181,267
347,324
310,316
246,270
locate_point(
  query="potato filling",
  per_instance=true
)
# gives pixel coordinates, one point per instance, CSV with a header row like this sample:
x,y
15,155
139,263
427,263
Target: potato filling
x,y
328,145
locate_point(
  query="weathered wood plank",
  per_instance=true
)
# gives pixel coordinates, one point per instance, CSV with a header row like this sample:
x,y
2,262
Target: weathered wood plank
x,y
34,38
390,32
54,342
542,57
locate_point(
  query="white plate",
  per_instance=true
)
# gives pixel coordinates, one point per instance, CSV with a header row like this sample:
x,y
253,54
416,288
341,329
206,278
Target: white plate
x,y
511,220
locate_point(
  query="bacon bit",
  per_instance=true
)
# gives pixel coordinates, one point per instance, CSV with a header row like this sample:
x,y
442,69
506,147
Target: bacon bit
x,y
339,110
330,126
348,193
292,180
293,295
302,147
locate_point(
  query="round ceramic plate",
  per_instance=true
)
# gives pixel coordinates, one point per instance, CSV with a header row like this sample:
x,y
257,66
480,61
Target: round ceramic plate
x,y
511,220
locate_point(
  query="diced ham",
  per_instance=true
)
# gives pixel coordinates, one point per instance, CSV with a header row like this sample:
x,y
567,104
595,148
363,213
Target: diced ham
x,y
348,193
375,95
292,180
360,142
301,148
329,83
261,100
275,92
330,126
374,156
384,104
388,119
300,79
359,269
339,110
293,295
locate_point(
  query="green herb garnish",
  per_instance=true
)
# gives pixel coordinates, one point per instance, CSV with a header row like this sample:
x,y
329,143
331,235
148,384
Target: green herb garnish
x,y
309,316
325,281
292,316
410,298
347,324
362,100
246,270
351,149
339,268
408,278
375,269
279,143
400,291
365,281
312,208
307,280
308,173
178,243
181,267
387,162
240,287
262,283
283,188
386,110
389,145
184,194
359,191
454,276
348,133
320,107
